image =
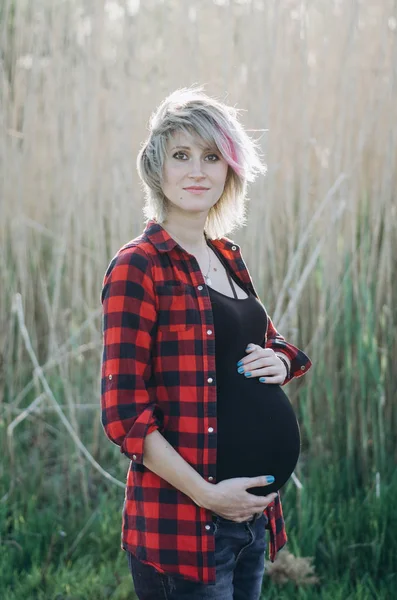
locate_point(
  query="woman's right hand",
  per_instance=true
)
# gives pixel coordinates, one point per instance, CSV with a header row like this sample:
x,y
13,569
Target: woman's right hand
x,y
229,498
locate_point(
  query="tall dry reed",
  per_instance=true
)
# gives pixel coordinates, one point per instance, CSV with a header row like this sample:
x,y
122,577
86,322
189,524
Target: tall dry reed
x,y
318,85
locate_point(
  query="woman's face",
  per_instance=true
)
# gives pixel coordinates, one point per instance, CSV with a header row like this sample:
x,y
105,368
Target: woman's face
x,y
194,176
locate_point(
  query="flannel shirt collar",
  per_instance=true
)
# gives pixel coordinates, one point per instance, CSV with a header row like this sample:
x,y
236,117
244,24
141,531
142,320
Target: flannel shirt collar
x,y
163,242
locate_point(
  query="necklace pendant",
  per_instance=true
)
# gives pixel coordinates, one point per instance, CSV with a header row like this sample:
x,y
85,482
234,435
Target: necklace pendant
x,y
208,281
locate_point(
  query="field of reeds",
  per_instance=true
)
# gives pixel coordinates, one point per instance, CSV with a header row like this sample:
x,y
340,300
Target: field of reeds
x,y
317,85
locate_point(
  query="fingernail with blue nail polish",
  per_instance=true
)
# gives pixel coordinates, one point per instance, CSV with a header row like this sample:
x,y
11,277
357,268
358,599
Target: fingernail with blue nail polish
x,y
248,374
262,379
240,362
240,370
269,478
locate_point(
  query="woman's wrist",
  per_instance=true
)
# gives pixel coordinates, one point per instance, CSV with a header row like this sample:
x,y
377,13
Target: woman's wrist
x,y
286,365
201,493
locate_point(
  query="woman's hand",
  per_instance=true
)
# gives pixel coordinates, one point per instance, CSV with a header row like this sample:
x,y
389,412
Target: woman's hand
x,y
263,363
229,498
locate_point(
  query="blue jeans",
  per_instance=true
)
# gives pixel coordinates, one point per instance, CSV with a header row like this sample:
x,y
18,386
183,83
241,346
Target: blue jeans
x,y
240,565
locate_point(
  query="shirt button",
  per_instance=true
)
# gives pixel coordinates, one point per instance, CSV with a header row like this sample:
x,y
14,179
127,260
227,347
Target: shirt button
x,y
208,527
210,478
110,377
134,457
210,429
200,287
209,331
210,380
303,367
234,248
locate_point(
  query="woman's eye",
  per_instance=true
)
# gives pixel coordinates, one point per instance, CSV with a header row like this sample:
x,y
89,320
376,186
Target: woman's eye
x,y
183,156
179,155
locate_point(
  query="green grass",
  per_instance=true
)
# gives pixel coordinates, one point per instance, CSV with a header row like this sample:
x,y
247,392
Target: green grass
x,y
43,554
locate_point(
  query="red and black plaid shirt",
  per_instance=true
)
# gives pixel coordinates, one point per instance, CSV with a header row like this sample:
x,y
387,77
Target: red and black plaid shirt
x,y
158,372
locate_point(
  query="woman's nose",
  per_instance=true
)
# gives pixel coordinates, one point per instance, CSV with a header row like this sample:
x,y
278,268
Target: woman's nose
x,y
196,168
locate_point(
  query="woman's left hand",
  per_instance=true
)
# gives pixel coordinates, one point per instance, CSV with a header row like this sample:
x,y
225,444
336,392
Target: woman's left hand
x,y
263,363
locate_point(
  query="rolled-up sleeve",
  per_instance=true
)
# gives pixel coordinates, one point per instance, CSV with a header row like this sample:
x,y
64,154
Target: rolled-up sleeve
x,y
129,413
297,361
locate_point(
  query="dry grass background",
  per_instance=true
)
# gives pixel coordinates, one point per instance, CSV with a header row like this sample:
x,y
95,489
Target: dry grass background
x,y
78,82
317,82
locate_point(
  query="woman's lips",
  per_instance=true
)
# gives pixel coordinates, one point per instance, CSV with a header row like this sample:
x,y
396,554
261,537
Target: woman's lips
x,y
196,190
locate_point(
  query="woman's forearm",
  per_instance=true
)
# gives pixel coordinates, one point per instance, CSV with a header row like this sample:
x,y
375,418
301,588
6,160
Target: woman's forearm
x,y
161,458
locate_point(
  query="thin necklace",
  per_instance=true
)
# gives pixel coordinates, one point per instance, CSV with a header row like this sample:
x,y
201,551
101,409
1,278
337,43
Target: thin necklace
x,y
206,277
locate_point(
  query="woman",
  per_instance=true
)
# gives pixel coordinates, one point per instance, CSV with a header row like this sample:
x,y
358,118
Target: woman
x,y
192,368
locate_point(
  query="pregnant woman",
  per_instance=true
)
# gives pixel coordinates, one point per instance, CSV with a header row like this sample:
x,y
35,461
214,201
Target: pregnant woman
x,y
193,366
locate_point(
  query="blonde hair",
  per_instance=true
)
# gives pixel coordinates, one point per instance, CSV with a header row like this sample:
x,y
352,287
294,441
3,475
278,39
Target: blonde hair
x,y
191,110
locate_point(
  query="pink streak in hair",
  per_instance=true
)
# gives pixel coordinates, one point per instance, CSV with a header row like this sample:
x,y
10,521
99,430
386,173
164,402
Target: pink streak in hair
x,y
234,164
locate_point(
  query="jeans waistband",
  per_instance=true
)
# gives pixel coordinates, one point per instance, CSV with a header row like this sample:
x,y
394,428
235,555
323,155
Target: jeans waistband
x,y
254,518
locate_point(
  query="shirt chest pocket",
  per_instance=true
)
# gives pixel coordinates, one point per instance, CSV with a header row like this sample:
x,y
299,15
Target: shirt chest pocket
x,y
178,308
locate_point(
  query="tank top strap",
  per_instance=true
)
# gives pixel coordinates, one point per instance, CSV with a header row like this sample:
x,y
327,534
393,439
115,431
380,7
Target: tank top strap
x,y
231,284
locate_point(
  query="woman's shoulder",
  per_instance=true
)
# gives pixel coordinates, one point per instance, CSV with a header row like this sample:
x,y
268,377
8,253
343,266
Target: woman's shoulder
x,y
131,263
135,253
225,242
138,245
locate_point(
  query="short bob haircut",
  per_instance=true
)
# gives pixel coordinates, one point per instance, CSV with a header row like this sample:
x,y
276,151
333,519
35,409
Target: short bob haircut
x,y
192,111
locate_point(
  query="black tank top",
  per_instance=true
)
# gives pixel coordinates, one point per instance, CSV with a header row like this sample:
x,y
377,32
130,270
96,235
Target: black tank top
x,y
258,433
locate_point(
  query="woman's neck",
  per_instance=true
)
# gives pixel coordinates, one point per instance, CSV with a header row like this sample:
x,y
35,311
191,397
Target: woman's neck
x,y
191,239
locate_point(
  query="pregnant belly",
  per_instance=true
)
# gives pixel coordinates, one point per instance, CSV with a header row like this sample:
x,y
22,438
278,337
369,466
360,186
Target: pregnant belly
x,y
258,435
